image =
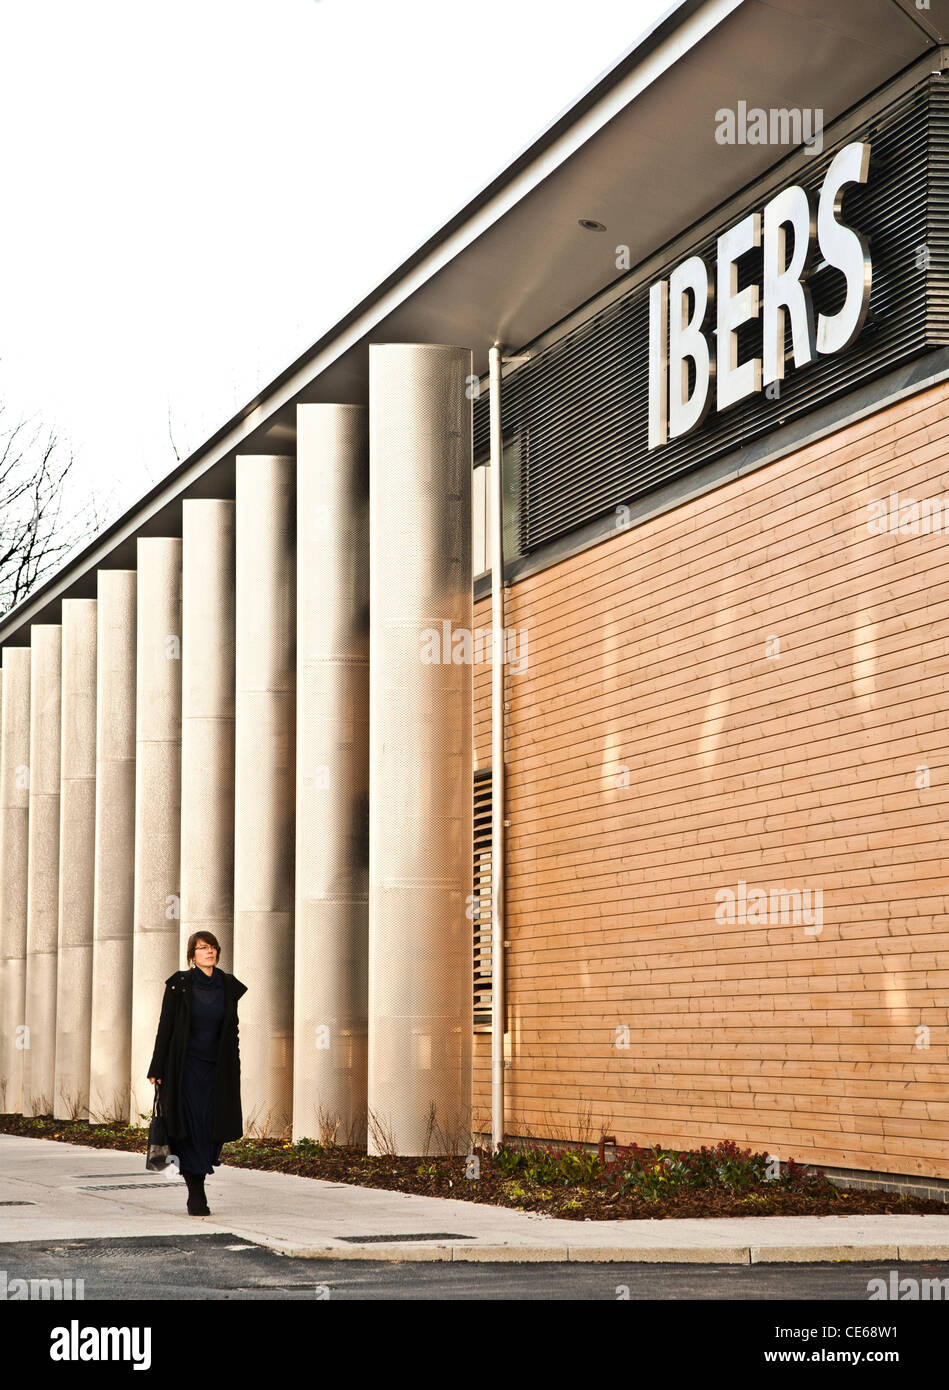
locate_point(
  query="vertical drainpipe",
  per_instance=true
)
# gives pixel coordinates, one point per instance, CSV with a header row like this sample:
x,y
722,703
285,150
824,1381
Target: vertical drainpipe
x,y
497,752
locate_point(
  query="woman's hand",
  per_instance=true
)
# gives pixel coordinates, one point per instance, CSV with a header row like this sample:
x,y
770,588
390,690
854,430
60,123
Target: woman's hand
x,y
152,1079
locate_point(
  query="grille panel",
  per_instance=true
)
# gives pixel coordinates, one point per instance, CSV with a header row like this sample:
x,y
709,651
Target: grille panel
x,y
579,407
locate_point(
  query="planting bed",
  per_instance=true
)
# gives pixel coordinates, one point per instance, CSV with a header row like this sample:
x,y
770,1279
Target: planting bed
x,y
719,1181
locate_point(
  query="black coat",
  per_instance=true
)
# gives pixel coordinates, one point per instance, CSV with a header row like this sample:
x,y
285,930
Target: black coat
x,y
171,1044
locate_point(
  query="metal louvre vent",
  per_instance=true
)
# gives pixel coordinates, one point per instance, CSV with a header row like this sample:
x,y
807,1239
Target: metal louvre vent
x,y
482,901
937,238
581,403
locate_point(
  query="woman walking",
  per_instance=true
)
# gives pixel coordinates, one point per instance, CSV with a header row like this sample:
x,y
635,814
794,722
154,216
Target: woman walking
x,y
196,1062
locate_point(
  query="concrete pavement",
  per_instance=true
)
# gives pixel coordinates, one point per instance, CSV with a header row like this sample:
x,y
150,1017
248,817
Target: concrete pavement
x,y
54,1191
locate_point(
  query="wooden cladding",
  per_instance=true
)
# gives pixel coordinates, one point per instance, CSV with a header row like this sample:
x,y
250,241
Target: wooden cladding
x,y
749,689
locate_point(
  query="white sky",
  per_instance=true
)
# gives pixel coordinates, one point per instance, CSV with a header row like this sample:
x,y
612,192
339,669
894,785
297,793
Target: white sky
x,y
196,190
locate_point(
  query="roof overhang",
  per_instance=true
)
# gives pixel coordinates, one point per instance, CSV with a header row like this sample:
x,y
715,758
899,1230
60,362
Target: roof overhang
x,y
636,152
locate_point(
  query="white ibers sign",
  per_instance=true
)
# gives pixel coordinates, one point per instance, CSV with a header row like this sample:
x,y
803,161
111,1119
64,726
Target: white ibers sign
x,y
681,309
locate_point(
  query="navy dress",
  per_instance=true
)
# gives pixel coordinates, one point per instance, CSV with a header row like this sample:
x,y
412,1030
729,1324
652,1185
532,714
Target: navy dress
x,y
196,1152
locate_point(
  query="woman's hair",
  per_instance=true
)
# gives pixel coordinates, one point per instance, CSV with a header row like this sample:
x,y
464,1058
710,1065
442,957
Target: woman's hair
x,y
210,938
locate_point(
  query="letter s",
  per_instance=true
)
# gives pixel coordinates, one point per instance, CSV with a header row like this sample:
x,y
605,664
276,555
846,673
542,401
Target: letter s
x,y
844,248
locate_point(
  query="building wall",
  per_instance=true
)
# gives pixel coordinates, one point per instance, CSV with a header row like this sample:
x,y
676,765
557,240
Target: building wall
x,y
793,770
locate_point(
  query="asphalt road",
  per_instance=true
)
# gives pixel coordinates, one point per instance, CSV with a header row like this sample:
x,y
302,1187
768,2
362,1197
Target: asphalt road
x,y
225,1267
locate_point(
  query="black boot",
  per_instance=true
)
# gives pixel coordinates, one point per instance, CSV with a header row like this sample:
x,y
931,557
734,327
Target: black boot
x,y
189,1179
197,1201
200,1195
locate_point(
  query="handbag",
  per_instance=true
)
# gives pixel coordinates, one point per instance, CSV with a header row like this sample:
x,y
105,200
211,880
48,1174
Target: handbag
x,y
159,1154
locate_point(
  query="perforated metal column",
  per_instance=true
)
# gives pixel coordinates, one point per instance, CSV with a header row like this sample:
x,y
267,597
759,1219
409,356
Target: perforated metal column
x,y
77,838
207,724
157,800
42,925
332,858
114,898
14,849
264,785
420,738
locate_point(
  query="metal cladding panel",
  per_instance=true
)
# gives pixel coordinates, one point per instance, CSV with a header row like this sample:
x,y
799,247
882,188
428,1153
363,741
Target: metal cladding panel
x,y
42,922
264,783
207,722
579,407
114,903
420,721
331,984
77,839
157,799
14,848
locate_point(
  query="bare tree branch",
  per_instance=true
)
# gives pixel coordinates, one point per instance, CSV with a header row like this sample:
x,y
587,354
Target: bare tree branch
x,y
172,437
33,538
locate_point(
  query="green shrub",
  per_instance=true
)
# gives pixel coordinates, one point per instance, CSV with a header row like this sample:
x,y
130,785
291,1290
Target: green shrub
x,y
558,1167
649,1172
309,1148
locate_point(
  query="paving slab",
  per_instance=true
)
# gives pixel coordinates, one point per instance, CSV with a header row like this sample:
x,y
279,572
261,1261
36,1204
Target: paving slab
x,y
69,1192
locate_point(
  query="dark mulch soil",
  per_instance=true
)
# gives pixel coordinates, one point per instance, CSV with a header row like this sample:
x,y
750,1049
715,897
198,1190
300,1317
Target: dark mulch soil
x,y
445,1177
